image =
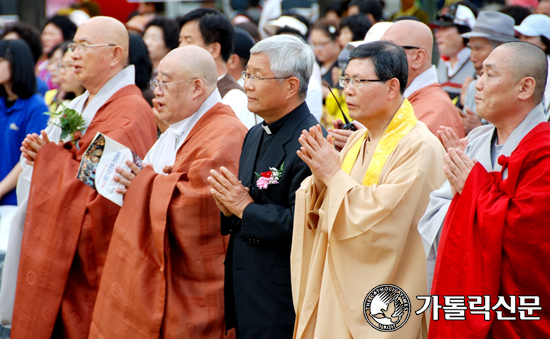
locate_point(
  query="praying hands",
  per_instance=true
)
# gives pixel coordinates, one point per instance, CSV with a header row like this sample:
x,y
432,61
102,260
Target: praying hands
x,y
319,154
457,168
229,193
32,144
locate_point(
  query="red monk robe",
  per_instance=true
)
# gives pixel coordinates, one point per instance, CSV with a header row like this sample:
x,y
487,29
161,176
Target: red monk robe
x,y
164,272
495,241
68,226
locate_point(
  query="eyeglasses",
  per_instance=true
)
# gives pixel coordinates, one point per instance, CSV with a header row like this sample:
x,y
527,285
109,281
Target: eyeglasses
x,y
256,79
410,47
164,84
356,82
83,48
64,66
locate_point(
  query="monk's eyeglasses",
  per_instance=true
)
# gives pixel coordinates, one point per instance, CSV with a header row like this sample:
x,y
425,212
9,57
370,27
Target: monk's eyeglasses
x,y
356,82
256,79
83,47
164,84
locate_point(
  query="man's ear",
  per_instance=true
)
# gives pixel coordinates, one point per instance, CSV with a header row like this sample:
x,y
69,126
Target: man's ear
x,y
419,59
233,61
393,89
197,86
526,88
293,86
117,56
215,49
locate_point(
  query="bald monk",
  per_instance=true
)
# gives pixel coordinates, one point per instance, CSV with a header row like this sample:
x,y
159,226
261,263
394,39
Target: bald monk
x,y
431,104
487,225
68,224
164,273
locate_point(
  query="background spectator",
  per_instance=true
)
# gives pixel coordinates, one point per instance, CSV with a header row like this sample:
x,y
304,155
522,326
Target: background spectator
x,y
29,34
161,36
21,111
57,29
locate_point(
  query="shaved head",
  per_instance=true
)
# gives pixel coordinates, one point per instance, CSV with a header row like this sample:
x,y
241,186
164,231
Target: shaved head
x,y
192,62
107,30
410,33
527,60
190,76
417,40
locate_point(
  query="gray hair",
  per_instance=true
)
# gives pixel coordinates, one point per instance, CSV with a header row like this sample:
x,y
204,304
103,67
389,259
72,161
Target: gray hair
x,y
288,56
495,43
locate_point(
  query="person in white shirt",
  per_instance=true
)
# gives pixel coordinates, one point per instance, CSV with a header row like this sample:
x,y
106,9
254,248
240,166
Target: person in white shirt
x,y
210,29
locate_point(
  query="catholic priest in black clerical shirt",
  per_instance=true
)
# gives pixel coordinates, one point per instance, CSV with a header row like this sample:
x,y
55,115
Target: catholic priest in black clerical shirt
x,y
258,205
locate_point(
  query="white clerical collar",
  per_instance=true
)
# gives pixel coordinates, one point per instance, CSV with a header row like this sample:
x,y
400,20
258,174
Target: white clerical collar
x,y
426,78
266,128
463,56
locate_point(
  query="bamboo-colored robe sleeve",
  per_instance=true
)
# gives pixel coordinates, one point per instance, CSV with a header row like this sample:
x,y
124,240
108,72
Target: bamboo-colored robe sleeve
x,y
350,238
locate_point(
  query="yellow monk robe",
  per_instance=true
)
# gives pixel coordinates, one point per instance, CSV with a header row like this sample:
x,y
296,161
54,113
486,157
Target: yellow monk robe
x,y
360,231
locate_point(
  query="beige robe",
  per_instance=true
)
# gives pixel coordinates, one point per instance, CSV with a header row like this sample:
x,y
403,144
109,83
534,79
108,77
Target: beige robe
x,y
350,238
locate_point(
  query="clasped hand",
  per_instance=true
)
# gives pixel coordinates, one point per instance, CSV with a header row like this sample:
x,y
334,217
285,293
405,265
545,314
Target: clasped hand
x,y
457,164
319,154
32,144
229,193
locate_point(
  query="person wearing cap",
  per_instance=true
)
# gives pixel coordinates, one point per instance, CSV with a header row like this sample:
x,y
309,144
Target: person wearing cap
x,y
241,53
491,30
210,29
454,65
536,30
491,217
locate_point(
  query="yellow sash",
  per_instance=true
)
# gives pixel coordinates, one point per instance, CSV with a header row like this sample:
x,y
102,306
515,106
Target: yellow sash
x,y
402,123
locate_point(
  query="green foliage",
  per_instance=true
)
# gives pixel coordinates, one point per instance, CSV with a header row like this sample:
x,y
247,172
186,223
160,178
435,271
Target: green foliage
x,y
69,120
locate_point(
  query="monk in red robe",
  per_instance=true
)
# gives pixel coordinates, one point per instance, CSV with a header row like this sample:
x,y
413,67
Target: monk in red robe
x,y
68,224
494,240
164,273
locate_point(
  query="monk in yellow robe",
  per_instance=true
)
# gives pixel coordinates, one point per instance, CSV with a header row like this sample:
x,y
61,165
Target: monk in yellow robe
x,y
356,216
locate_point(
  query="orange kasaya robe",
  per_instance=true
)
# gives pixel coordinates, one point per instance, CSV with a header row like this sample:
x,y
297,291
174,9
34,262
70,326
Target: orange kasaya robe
x,y
68,226
433,107
164,272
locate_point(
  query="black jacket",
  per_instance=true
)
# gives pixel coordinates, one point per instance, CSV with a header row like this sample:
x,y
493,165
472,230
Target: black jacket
x,y
257,265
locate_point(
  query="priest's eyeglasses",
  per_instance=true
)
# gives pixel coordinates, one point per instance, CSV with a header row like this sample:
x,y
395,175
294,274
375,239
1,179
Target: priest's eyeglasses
x,y
256,79
83,47
356,82
164,84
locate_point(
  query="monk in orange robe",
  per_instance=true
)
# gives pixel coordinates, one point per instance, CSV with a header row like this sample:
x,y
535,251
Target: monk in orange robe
x,y
164,273
68,224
